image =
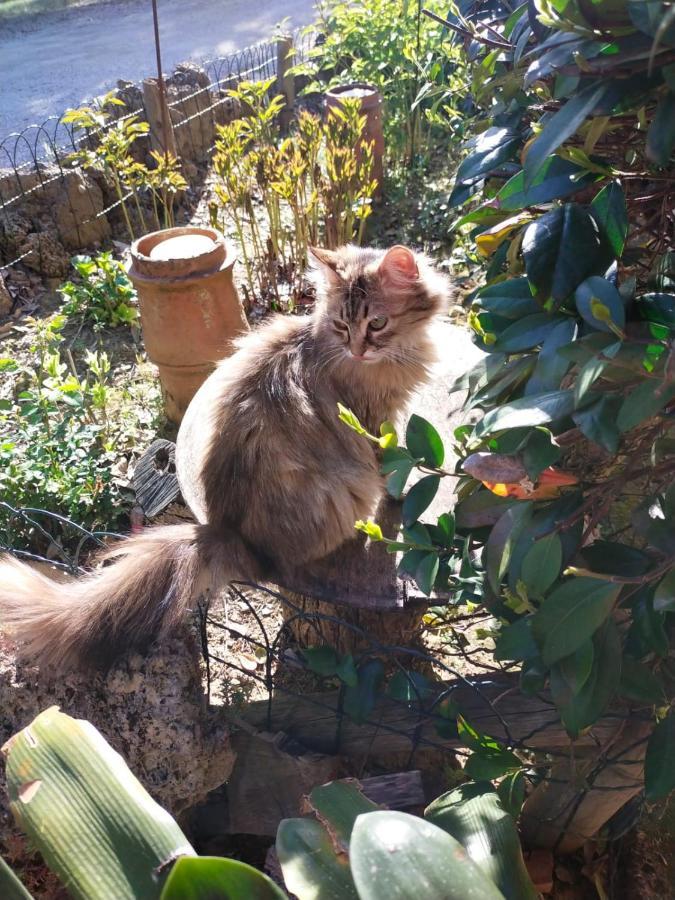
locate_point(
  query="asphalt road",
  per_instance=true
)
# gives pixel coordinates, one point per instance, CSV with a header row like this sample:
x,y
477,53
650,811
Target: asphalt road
x,y
52,61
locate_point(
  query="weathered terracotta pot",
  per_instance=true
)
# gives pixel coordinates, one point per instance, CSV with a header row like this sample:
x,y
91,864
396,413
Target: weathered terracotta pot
x,y
371,108
190,310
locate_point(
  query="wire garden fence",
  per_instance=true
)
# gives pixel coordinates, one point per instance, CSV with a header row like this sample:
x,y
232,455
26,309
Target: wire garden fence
x,y
50,207
390,698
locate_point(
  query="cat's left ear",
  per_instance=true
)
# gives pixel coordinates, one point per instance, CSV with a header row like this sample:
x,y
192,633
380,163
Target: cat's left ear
x,y
398,268
324,264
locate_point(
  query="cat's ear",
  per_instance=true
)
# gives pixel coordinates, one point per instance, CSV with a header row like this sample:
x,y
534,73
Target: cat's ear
x,y
398,268
323,268
328,258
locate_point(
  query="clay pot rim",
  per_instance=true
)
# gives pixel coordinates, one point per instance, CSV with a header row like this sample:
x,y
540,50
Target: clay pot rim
x,y
340,89
144,267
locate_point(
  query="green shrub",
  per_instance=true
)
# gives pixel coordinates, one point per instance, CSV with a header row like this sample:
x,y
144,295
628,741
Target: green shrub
x,y
566,517
104,295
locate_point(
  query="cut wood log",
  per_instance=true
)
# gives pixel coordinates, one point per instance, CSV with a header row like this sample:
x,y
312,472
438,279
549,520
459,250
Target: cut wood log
x,y
315,720
155,479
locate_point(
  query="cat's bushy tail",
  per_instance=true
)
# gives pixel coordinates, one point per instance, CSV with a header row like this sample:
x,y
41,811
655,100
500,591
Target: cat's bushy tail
x,y
144,592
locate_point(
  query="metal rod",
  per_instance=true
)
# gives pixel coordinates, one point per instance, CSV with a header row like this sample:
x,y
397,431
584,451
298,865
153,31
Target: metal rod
x,y
160,82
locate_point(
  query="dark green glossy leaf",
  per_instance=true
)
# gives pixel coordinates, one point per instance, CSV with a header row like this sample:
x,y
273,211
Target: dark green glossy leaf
x,y
657,307
396,855
501,542
419,498
533,676
541,565
560,250
346,670
647,633
598,422
515,641
537,409
199,877
511,299
446,527
511,792
613,558
491,148
609,211
526,333
539,452
599,303
639,683
560,126
649,17
576,668
664,596
424,442
643,402
481,508
579,711
397,480
556,179
661,133
571,614
426,572
659,768
551,366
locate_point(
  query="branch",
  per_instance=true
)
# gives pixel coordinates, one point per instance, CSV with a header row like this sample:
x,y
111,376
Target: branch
x,y
502,45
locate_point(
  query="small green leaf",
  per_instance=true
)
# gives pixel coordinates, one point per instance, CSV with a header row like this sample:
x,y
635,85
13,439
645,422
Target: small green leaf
x,y
346,670
557,178
446,528
659,768
541,565
349,418
539,452
424,442
571,614
372,529
195,878
410,687
322,660
502,540
419,497
360,699
528,332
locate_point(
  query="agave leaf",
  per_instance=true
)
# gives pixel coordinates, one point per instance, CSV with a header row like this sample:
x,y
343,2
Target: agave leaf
x,y
473,814
96,826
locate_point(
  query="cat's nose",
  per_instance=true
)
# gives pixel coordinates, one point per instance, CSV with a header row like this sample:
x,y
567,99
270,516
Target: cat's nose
x,y
358,355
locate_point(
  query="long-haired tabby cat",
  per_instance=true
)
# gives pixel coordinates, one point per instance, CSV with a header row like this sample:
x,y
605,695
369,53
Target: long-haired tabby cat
x,y
281,479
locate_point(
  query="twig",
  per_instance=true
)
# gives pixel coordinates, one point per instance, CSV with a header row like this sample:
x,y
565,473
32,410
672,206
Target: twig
x,y
502,45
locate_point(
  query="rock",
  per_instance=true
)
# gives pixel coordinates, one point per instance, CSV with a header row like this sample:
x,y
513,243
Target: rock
x,y
6,301
77,208
44,254
151,709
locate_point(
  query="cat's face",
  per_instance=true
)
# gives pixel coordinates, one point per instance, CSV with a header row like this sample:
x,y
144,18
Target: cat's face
x,y
373,305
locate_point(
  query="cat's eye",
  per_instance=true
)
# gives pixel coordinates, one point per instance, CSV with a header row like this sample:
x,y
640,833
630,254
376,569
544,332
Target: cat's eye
x,y
378,323
340,325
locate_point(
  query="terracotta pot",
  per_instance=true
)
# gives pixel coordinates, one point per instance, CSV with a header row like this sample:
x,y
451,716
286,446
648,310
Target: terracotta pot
x,y
371,108
190,310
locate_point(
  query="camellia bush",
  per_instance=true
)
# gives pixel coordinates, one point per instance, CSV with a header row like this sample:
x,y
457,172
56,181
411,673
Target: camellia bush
x,y
565,525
